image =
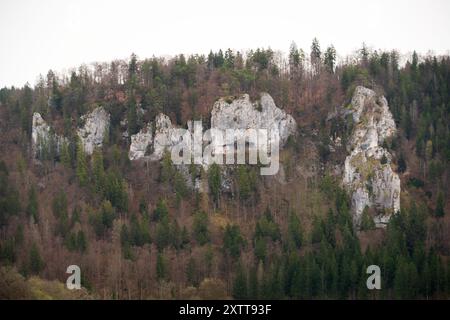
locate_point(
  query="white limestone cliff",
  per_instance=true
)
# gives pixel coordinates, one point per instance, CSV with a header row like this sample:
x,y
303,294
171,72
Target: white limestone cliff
x,y
92,133
40,130
241,113
140,143
166,137
43,137
368,175
94,130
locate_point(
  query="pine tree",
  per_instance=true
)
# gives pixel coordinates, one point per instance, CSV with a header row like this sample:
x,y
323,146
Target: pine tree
x,y
81,241
364,54
294,58
161,267
260,249
82,169
33,206
316,55
161,212
253,285
192,272
233,241
229,59
125,242
330,58
317,232
65,155
163,234
267,227
367,222
245,182
25,109
115,190
415,62
184,237
98,171
139,234
214,181
132,118
9,196
175,234
295,230
36,264
180,186
240,286
415,231
102,220
167,169
59,206
132,71
200,228
440,210
406,277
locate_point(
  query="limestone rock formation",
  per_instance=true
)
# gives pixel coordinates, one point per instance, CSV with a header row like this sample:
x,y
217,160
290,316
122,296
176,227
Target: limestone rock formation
x,y
166,136
140,143
92,133
42,136
40,130
368,175
244,114
240,113
94,130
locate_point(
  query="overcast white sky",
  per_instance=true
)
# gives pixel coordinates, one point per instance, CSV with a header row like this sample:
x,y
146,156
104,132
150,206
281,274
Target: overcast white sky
x,y
36,36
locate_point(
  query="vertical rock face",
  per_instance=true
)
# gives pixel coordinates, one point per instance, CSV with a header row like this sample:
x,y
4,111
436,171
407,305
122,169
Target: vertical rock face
x,y
40,131
42,136
241,113
94,130
368,175
140,143
166,136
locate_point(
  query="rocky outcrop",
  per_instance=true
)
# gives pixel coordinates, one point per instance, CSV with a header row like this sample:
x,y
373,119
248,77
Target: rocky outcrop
x,y
91,134
368,175
141,143
145,145
166,136
241,113
43,139
40,131
94,130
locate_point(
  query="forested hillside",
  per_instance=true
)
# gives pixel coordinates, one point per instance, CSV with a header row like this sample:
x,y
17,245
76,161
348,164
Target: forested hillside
x,y
138,230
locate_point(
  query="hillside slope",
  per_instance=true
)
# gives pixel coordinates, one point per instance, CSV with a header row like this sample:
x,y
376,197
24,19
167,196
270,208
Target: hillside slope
x,y
87,179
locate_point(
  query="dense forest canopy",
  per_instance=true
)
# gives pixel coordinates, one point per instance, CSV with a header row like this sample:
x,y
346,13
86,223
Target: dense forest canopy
x,y
138,231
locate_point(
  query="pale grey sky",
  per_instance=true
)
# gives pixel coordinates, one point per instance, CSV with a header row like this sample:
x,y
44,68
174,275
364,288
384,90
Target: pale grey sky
x,y
39,35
